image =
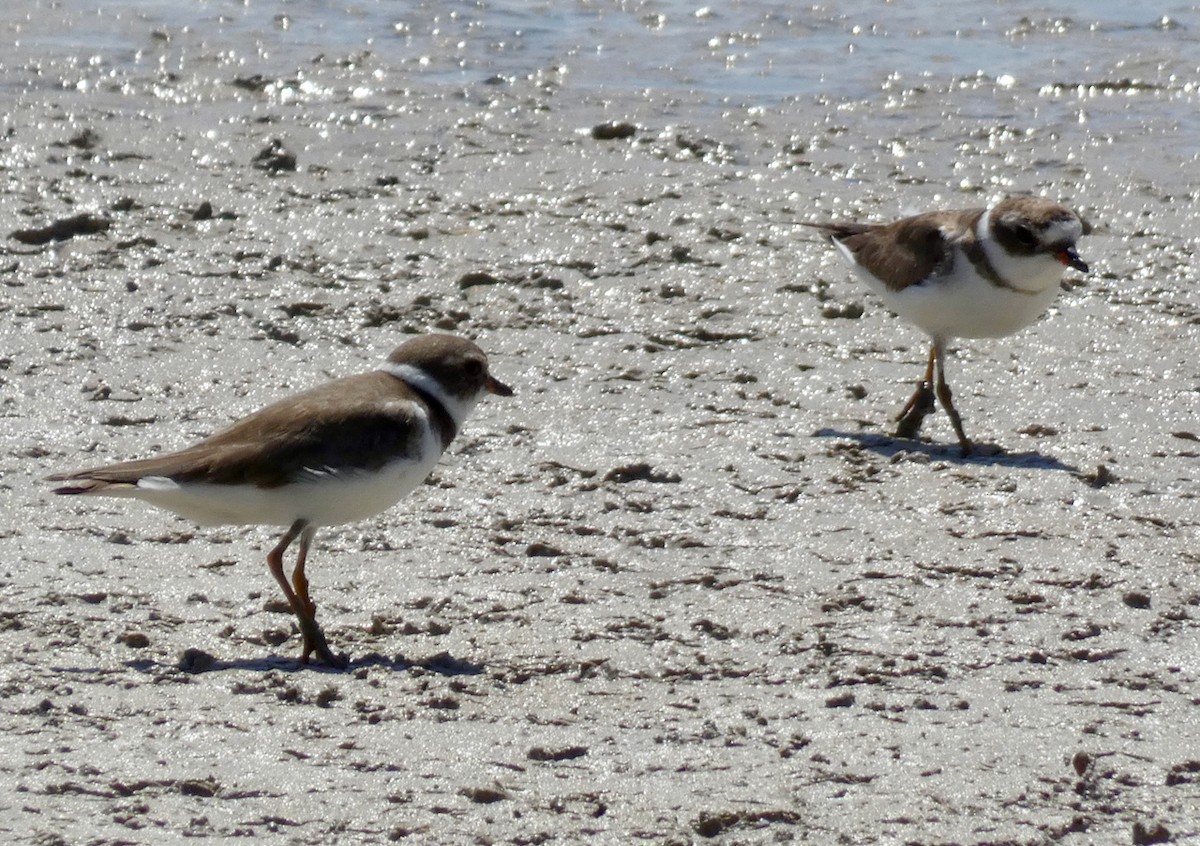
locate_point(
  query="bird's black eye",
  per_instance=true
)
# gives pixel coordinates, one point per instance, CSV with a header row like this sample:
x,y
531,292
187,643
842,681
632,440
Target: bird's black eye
x,y
474,368
1025,235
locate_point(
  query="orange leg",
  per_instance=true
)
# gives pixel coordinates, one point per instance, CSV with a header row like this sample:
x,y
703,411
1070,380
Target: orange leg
x,y
920,404
945,398
299,580
302,606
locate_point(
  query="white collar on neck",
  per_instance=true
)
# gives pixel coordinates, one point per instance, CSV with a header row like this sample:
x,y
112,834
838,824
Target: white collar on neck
x,y
458,408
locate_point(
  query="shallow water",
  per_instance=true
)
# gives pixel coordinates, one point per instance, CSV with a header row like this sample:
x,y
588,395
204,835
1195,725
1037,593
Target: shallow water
x,y
751,49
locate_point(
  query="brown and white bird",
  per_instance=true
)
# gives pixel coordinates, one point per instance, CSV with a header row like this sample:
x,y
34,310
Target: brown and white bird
x,y
342,451
971,273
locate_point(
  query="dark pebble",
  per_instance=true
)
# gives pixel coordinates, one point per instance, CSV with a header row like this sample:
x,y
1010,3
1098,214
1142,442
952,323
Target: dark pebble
x,y
613,131
196,661
135,640
1154,832
1136,599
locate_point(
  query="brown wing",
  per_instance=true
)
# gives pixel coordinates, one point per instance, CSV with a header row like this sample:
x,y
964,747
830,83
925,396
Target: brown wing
x,y
361,422
908,251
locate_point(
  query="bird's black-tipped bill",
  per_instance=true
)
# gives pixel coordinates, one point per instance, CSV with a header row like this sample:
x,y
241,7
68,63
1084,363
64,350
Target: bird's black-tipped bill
x,y
497,387
1070,258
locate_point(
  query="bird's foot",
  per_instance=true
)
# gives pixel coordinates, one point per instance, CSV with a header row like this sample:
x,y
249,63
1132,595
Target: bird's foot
x,y
314,641
919,406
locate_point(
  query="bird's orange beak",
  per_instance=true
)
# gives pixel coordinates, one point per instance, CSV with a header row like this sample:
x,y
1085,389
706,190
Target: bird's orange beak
x,y
1070,258
497,387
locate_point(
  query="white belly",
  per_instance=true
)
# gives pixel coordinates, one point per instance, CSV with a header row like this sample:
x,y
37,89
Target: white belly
x,y
964,307
325,499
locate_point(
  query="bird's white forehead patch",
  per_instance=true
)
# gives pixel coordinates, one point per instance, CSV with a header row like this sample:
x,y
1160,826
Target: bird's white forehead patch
x,y
1067,229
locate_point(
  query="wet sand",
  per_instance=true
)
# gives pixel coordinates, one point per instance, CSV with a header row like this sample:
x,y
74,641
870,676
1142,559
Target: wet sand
x,y
684,587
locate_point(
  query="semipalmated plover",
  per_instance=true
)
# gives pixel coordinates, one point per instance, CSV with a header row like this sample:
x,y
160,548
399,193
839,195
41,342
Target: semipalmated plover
x,y
339,452
972,273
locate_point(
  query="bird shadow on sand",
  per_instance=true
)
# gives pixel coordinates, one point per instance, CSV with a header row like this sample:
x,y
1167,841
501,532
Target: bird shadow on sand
x,y
197,661
985,455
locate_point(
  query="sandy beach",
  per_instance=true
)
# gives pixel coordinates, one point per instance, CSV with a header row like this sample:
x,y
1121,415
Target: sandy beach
x,y
684,587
